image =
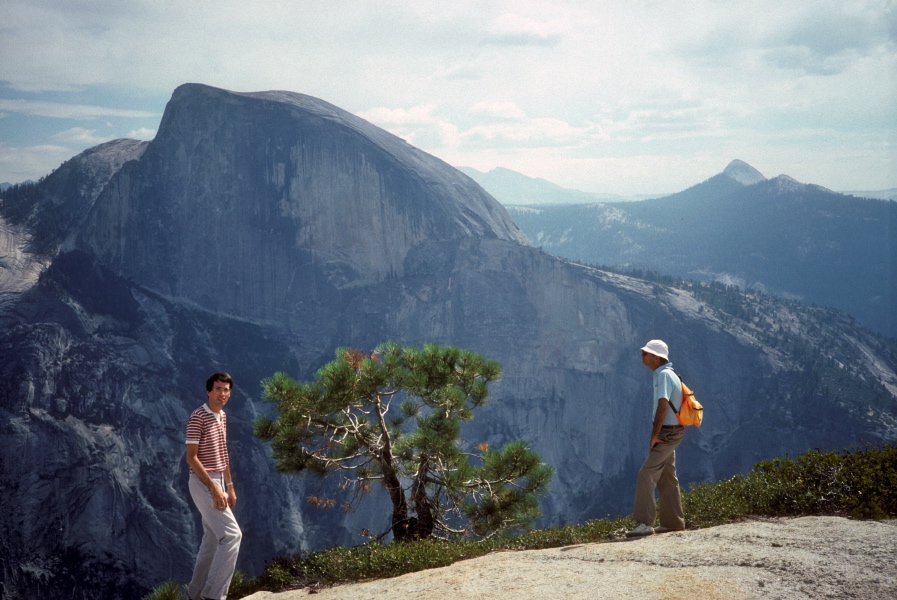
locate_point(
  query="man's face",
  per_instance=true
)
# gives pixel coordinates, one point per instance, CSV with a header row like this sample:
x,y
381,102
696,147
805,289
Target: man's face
x,y
652,361
219,395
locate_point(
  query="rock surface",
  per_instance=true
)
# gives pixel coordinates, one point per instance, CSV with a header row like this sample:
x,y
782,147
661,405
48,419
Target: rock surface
x,y
19,269
783,559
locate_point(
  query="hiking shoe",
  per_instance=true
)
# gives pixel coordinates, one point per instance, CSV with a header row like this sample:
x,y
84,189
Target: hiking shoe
x,y
663,529
640,530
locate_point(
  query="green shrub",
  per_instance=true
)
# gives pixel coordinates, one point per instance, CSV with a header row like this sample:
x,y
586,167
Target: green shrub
x,y
860,483
241,585
709,504
170,590
871,478
371,560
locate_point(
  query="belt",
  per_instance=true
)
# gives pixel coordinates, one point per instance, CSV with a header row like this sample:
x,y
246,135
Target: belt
x,y
672,427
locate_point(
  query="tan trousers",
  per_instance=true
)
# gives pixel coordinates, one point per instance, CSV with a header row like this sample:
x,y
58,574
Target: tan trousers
x,y
659,471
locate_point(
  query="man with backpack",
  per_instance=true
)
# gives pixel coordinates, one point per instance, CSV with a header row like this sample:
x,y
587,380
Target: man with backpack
x,y
659,470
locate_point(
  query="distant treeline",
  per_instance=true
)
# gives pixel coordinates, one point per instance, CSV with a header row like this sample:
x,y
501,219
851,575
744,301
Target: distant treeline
x,y
47,223
18,201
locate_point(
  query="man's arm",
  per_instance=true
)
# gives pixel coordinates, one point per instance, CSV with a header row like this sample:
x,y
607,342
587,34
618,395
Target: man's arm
x,y
231,492
659,417
218,495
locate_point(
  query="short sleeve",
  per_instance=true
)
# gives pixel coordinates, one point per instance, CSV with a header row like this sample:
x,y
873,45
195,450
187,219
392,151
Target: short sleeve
x,y
667,389
194,429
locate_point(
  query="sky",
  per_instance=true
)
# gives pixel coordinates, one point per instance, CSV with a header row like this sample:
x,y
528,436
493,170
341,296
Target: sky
x,y
605,96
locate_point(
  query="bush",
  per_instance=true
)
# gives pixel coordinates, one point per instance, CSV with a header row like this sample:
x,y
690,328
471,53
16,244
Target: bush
x,y
859,483
170,590
241,585
710,504
871,479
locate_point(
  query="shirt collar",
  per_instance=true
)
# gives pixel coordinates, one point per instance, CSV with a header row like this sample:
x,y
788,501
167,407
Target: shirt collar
x,y
212,412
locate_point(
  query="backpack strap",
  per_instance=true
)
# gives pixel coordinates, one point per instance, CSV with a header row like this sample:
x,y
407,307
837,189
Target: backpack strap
x,y
669,401
675,412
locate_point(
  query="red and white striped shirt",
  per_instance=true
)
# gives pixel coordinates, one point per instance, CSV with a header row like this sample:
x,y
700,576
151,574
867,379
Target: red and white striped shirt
x,y
209,431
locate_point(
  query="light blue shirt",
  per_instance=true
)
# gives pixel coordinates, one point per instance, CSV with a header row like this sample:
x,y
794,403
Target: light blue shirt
x,y
667,385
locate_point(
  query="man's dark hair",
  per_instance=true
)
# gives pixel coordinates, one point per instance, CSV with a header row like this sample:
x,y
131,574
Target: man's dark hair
x,y
222,377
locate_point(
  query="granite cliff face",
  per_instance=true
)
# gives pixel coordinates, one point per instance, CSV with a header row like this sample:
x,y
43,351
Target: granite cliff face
x,y
257,233
259,205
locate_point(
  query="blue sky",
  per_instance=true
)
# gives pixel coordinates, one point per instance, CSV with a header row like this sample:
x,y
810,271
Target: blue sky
x,y
626,97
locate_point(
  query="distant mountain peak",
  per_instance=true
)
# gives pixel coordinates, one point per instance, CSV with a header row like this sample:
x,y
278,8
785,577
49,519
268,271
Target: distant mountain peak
x,y
743,173
786,184
786,180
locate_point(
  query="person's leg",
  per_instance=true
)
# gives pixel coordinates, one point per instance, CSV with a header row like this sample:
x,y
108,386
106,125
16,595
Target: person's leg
x,y
644,508
221,544
670,499
203,501
221,572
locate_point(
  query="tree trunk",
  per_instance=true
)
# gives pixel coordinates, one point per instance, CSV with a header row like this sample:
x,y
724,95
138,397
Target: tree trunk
x,y
402,525
425,522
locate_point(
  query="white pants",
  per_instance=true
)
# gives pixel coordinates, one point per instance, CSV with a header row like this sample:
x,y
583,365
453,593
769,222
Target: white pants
x,y
221,537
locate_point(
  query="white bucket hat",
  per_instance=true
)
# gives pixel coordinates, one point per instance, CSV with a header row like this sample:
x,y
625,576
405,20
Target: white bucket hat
x,y
658,348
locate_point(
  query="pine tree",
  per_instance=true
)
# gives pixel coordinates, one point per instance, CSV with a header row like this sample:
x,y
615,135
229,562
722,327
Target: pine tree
x,y
395,417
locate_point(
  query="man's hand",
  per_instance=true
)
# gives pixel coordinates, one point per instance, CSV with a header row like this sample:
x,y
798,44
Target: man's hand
x,y
231,496
659,415
219,497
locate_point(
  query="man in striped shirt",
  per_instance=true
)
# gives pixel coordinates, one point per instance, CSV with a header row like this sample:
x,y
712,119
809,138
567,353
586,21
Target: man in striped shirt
x,y
212,490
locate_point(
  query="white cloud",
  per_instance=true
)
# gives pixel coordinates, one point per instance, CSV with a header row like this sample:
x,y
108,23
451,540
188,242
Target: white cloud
x,y
417,125
498,110
19,164
537,133
494,125
141,134
514,29
392,117
79,136
439,135
59,110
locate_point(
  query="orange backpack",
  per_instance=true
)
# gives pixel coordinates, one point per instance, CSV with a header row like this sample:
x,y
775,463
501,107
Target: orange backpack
x,y
691,412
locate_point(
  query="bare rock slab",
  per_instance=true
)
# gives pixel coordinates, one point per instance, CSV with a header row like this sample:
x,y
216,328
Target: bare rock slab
x,y
785,559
